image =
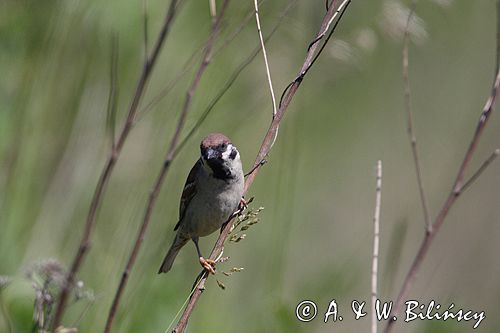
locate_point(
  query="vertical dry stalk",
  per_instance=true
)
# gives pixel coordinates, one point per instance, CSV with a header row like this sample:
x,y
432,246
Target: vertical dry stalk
x,y
213,9
207,55
109,166
266,63
376,232
409,115
266,146
457,188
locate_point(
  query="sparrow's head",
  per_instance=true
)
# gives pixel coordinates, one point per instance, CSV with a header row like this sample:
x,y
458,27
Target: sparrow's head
x,y
220,155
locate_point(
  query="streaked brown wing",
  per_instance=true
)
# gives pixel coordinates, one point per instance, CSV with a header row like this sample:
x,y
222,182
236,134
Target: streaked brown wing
x,y
189,191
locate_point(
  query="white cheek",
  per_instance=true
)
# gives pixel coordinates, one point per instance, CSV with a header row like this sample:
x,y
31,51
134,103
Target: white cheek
x,y
229,149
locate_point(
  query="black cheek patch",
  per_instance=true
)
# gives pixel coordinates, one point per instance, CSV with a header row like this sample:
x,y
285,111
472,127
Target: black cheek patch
x,y
233,154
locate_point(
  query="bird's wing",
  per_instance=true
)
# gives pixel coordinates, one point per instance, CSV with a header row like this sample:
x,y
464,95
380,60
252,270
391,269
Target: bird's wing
x,y
189,191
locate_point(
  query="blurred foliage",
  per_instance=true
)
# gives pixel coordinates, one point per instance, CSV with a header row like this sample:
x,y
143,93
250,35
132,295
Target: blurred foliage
x,y
314,237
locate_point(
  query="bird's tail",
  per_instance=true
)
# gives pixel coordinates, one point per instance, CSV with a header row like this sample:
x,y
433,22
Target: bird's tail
x,y
177,244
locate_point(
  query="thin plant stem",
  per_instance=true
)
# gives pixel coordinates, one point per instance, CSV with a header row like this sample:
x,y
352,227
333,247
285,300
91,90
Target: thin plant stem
x,y
409,116
376,237
481,169
266,62
103,181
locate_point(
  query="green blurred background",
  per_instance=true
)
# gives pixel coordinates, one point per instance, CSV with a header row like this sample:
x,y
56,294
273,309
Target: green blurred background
x,y
314,240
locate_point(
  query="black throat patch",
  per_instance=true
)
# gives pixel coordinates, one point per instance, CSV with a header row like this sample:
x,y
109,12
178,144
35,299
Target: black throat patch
x,y
219,170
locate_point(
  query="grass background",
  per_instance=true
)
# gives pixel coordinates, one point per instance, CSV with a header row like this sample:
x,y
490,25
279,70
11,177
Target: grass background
x,y
315,236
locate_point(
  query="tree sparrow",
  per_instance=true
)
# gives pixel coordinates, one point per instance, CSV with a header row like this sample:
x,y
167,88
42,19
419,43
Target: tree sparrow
x,y
212,192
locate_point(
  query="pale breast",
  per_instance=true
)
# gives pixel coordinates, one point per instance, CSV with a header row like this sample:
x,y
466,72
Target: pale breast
x,y
213,208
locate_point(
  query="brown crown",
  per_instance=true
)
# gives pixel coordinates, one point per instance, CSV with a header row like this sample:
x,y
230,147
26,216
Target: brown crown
x,y
214,140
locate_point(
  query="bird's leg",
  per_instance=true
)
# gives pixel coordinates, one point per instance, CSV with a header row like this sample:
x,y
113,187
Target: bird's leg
x,y
243,204
207,264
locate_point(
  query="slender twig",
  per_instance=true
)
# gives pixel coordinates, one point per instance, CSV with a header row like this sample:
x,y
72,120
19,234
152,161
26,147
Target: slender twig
x,y
145,26
266,62
255,168
83,313
376,231
213,9
340,12
457,189
481,169
113,91
409,116
264,151
165,167
195,285
327,27
109,165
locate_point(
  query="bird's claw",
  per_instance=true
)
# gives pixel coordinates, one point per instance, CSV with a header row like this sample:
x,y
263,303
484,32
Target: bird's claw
x,y
243,204
208,264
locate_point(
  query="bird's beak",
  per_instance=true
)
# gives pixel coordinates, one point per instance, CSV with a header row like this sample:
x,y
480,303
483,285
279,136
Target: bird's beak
x,y
211,153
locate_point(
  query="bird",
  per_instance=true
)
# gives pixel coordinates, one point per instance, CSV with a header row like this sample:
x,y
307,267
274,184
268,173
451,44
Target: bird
x,y
212,193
